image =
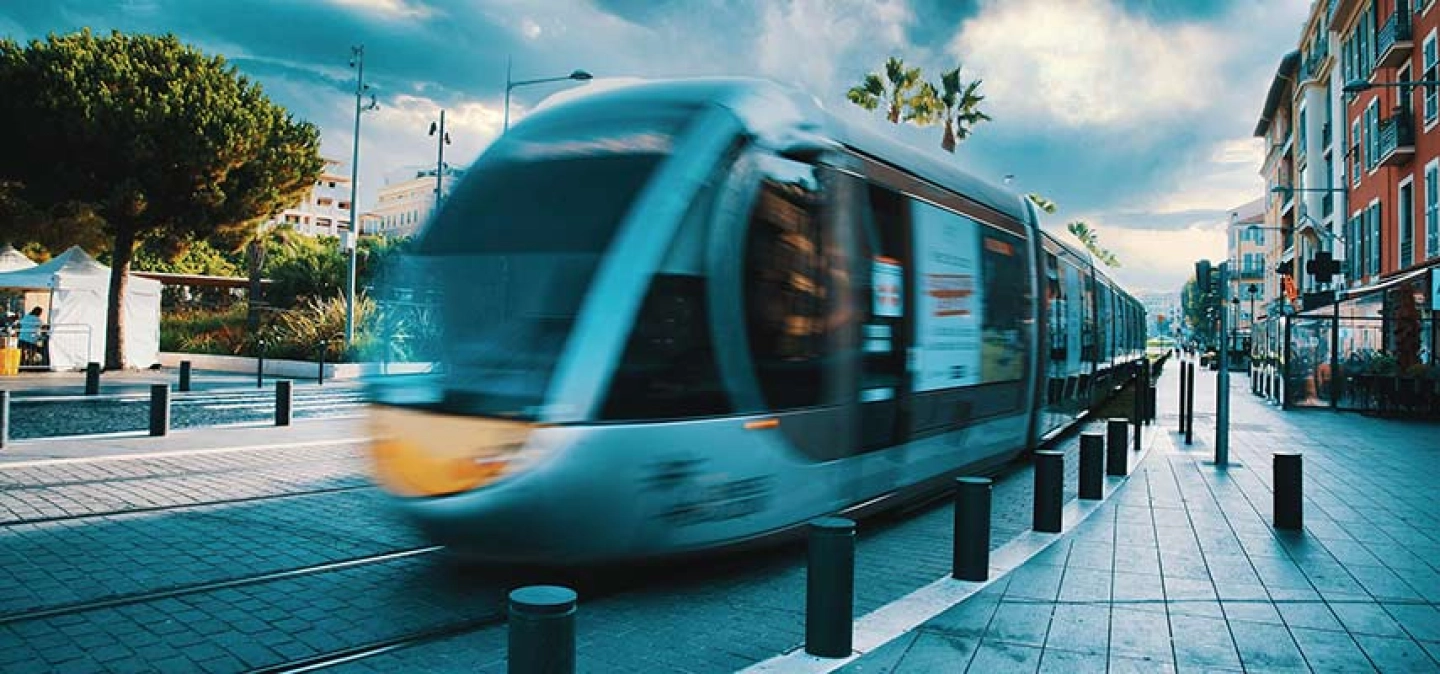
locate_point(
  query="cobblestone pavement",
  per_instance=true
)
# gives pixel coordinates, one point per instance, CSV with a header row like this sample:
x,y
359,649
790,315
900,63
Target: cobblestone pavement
x,y
40,416
241,560
1182,569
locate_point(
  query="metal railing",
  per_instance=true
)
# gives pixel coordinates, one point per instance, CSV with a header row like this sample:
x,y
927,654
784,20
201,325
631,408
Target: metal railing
x,y
1396,29
1396,131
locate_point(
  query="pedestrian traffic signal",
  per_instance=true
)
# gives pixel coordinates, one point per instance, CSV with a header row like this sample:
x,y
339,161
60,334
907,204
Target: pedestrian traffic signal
x,y
1322,266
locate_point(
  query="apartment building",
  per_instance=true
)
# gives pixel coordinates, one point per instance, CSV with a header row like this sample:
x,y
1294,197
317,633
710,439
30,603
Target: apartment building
x,y
325,210
407,201
1276,127
1393,167
1248,249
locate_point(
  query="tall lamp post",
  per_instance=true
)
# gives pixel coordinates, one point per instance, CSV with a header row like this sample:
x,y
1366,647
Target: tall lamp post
x,y
442,138
357,61
577,75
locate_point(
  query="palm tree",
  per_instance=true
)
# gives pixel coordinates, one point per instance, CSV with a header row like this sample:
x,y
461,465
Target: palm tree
x,y
1082,231
958,107
895,91
1041,202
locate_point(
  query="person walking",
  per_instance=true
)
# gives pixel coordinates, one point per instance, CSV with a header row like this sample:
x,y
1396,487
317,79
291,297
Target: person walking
x,y
30,326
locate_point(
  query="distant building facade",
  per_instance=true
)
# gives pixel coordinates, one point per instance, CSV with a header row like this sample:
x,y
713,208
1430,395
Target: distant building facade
x,y
325,210
405,205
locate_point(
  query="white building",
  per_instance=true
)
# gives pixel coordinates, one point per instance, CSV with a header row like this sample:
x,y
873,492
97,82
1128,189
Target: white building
x,y
325,210
404,204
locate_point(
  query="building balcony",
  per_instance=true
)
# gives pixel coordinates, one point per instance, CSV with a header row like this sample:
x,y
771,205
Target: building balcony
x,y
1314,64
1397,138
1393,43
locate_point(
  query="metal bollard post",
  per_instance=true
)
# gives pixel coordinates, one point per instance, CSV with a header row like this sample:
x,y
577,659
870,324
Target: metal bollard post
x,y
1092,468
1190,407
541,630
283,399
971,550
1117,433
159,409
184,376
92,378
1184,377
320,376
1152,403
1289,490
830,588
1049,489
4,418
260,366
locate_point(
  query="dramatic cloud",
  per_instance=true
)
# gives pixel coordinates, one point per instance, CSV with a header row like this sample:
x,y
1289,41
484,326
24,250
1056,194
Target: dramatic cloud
x,y
1132,114
1087,63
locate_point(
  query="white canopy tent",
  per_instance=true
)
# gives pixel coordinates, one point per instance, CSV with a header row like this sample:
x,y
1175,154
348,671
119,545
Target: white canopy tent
x,y
11,259
79,287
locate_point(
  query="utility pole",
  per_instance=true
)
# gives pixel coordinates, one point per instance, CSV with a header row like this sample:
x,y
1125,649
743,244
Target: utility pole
x,y
357,61
441,140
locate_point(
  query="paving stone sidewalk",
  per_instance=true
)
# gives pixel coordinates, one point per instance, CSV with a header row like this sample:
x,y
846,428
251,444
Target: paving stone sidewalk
x,y
1181,570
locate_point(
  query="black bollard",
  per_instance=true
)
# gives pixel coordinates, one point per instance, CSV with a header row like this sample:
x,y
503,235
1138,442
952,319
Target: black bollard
x,y
1092,465
283,399
184,376
1184,377
1190,407
92,378
4,418
830,588
541,630
159,409
1049,489
1152,402
971,559
260,365
320,376
1289,491
1117,432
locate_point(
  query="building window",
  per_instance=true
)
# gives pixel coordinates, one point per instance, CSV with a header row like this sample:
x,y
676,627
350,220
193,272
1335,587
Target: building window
x,y
1432,58
1357,153
1405,217
1300,148
1432,209
1375,243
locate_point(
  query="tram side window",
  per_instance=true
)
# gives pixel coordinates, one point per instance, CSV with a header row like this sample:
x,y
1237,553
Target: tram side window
x,y
883,243
787,300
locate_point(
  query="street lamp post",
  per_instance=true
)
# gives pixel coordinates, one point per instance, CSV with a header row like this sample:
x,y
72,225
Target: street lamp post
x,y
577,75
442,138
357,61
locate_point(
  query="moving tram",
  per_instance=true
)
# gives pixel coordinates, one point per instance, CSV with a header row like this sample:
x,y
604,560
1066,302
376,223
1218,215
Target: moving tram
x,y
673,316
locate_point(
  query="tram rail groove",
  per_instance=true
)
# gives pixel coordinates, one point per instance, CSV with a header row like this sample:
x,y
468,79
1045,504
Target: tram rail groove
x,y
171,474
182,506
374,648
197,588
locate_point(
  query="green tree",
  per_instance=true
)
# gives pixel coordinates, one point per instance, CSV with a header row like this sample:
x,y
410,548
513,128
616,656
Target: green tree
x,y
899,91
1082,231
163,141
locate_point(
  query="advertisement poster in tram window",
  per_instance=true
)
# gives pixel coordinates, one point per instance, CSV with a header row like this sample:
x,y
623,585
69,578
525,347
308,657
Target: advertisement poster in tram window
x,y
1435,289
1073,319
949,301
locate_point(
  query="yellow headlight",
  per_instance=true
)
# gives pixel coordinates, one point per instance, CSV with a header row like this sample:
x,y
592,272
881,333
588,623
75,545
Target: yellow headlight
x,y
419,453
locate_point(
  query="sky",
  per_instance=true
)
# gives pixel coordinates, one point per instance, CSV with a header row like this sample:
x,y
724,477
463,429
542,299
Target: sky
x,y
1133,115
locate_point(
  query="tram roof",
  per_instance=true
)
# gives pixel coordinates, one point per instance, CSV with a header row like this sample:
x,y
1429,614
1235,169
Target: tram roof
x,y
778,114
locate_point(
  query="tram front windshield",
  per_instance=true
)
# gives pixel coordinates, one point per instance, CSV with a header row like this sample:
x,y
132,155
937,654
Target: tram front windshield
x,y
510,258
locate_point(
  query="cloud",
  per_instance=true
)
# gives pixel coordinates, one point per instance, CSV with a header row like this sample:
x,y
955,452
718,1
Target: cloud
x,y
1154,260
530,29
1089,63
389,9
806,41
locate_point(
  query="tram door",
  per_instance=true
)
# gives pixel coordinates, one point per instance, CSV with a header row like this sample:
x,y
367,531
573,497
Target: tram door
x,y
885,289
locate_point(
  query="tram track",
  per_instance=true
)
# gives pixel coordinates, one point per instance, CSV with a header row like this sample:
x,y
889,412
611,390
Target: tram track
x,y
379,647
183,506
210,586
178,473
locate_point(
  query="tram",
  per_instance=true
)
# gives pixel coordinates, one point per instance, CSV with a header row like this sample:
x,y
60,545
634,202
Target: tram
x,y
674,316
